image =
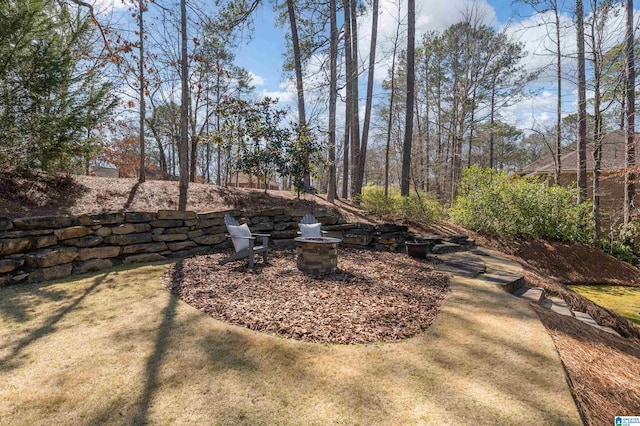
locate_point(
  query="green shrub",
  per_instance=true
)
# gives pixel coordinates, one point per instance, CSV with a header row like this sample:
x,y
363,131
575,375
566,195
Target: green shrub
x,y
622,251
493,202
630,232
422,207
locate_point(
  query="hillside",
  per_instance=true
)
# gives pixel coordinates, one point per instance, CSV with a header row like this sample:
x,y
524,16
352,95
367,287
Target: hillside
x,y
41,195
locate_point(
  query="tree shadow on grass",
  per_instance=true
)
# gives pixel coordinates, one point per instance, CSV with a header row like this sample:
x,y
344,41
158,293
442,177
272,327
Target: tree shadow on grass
x,y
154,362
47,328
17,301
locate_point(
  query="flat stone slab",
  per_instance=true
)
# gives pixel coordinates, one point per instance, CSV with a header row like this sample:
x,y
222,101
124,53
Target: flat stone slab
x,y
533,294
585,318
461,269
588,319
557,305
609,330
480,252
508,281
436,239
462,265
456,239
446,248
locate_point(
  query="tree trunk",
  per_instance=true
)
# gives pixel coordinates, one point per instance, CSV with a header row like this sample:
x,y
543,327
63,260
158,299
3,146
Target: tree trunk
x,y
417,176
427,101
491,124
559,104
471,126
582,107
630,154
391,99
141,175
408,128
348,116
161,151
351,112
184,112
367,111
302,118
596,43
207,171
219,147
345,156
333,83
440,172
623,109
193,157
355,108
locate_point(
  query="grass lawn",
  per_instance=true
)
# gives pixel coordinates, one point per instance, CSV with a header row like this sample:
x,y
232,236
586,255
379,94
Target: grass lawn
x,y
116,348
623,300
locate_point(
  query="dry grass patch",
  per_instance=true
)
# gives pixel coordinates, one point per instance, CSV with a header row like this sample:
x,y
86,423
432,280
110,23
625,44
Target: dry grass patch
x,y
116,348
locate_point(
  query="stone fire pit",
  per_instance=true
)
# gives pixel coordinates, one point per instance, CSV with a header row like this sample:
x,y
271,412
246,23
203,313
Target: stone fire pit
x,y
317,255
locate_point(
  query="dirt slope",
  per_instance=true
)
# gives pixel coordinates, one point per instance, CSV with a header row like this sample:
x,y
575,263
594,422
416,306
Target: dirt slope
x,y
40,195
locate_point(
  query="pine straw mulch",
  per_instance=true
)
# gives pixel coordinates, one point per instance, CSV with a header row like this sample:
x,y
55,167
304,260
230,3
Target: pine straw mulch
x,y
602,368
40,194
373,297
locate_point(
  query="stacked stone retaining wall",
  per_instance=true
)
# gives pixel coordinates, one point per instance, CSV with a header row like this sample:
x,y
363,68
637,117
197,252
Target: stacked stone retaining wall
x,y
45,248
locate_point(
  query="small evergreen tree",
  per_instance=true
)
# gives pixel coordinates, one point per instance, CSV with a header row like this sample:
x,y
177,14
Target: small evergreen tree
x,y
51,101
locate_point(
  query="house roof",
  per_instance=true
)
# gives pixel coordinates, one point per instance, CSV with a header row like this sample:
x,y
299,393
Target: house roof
x,y
613,147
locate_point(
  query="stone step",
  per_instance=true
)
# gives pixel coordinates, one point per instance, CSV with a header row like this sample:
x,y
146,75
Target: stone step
x,y
434,239
456,239
446,248
609,330
585,318
462,264
507,281
468,243
557,305
588,319
533,294
480,252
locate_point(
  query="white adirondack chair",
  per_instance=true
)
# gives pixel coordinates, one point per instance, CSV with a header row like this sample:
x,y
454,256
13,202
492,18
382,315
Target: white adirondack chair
x,y
244,242
308,226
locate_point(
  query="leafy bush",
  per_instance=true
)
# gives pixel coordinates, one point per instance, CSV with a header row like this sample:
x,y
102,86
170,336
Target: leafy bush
x,y
621,250
416,207
625,247
493,202
630,233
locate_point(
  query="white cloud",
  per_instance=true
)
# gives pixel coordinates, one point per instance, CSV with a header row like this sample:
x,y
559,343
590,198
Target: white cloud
x,y
108,6
537,33
535,111
287,92
256,80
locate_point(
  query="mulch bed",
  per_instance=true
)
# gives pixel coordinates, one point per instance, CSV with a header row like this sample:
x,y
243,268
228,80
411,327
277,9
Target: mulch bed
x,y
602,369
373,297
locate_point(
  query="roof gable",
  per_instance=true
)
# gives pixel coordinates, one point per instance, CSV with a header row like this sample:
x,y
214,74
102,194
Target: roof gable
x,y
613,152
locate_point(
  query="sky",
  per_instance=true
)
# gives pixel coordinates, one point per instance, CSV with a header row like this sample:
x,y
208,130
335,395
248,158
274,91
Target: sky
x,y
262,54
